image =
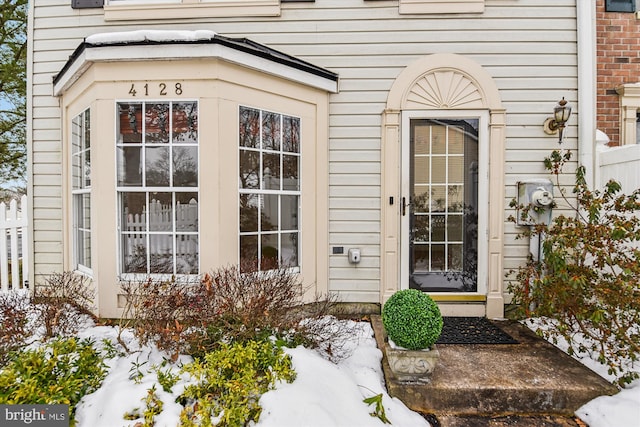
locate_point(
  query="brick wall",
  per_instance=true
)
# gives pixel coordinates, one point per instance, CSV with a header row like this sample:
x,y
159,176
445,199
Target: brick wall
x,y
618,62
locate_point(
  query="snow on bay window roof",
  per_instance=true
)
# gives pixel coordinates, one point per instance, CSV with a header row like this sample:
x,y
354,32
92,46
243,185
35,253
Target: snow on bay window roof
x,y
149,45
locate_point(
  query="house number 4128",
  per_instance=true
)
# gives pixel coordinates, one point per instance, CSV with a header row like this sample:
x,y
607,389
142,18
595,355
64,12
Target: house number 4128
x,y
161,89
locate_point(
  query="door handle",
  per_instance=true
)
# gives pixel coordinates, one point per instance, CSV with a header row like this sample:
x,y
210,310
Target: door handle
x,y
405,205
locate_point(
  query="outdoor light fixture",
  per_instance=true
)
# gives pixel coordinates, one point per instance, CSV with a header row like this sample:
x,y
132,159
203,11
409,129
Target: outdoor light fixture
x,y
555,124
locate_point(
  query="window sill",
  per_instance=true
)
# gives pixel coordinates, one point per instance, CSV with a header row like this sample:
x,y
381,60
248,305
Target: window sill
x,y
211,9
440,6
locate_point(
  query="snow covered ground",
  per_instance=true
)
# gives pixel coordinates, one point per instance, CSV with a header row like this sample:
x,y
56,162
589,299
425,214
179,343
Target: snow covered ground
x,y
324,394
620,410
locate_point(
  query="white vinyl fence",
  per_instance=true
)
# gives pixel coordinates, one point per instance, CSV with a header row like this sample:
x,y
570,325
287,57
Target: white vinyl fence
x,y
14,235
619,163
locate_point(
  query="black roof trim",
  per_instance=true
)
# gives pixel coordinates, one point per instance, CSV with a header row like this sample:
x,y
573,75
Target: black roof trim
x,y
241,44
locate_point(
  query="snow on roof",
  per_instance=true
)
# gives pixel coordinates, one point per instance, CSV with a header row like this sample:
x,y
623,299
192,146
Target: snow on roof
x,y
149,35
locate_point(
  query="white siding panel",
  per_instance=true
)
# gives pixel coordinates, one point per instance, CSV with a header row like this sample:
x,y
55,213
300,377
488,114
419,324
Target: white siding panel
x,y
347,215
527,46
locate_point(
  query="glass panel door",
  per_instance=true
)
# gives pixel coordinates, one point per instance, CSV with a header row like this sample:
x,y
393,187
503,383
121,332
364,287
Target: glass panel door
x,y
443,202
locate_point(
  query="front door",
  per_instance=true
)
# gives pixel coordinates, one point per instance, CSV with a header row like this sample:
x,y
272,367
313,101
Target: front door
x,y
440,202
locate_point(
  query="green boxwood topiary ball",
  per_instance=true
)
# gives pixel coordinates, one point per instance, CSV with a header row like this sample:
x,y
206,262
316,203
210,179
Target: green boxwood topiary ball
x,y
412,319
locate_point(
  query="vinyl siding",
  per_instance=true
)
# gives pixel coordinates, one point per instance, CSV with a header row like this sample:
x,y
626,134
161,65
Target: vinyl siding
x,y
527,46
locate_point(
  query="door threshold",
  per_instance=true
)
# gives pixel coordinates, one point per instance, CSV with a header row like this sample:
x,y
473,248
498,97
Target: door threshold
x,y
456,297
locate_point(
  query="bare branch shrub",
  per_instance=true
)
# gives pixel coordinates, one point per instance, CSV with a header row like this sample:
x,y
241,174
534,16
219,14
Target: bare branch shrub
x,y
16,325
64,302
233,303
586,286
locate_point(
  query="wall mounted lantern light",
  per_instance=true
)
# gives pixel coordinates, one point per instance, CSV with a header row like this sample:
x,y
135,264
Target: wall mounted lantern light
x,y
556,124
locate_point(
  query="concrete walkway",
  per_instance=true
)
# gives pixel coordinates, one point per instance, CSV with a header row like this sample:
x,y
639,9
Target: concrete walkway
x,y
531,383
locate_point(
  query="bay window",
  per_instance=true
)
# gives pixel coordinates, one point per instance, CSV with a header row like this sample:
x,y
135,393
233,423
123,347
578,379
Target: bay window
x,y
81,190
269,187
157,186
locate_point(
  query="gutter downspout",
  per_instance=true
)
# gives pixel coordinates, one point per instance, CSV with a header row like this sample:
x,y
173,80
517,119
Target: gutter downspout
x,y
587,84
29,142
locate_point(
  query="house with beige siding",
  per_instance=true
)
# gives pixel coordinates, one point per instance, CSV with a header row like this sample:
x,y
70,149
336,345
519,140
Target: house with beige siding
x,y
367,145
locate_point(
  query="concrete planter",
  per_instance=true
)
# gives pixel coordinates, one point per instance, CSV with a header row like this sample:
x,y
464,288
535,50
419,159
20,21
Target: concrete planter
x,y
412,365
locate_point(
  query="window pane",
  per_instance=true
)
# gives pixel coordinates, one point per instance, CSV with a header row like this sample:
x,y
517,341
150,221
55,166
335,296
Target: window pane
x,y
82,227
134,253
129,167
437,228
421,170
130,123
456,169
185,166
289,252
421,135
76,171
291,134
439,175
248,251
291,173
455,195
438,198
187,211
421,228
270,256
249,212
438,139
455,257
289,212
270,131
249,127
185,123
77,147
269,217
156,123
84,211
420,255
87,129
157,166
186,254
160,212
454,228
437,257
86,172
84,250
271,171
133,212
249,169
161,254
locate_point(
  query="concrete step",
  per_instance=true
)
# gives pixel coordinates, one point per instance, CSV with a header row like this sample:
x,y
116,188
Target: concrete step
x,y
529,378
506,421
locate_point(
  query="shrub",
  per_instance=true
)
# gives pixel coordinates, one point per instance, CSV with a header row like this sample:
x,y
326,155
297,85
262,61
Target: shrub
x,y
231,381
152,407
586,286
232,304
15,325
60,372
412,319
64,301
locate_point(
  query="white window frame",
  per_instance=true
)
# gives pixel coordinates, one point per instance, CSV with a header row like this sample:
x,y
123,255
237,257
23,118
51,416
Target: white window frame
x,y
629,94
260,192
152,189
80,189
440,6
127,10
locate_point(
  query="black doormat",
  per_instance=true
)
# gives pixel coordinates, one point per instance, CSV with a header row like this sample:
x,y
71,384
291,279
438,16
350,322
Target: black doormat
x,y
472,330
